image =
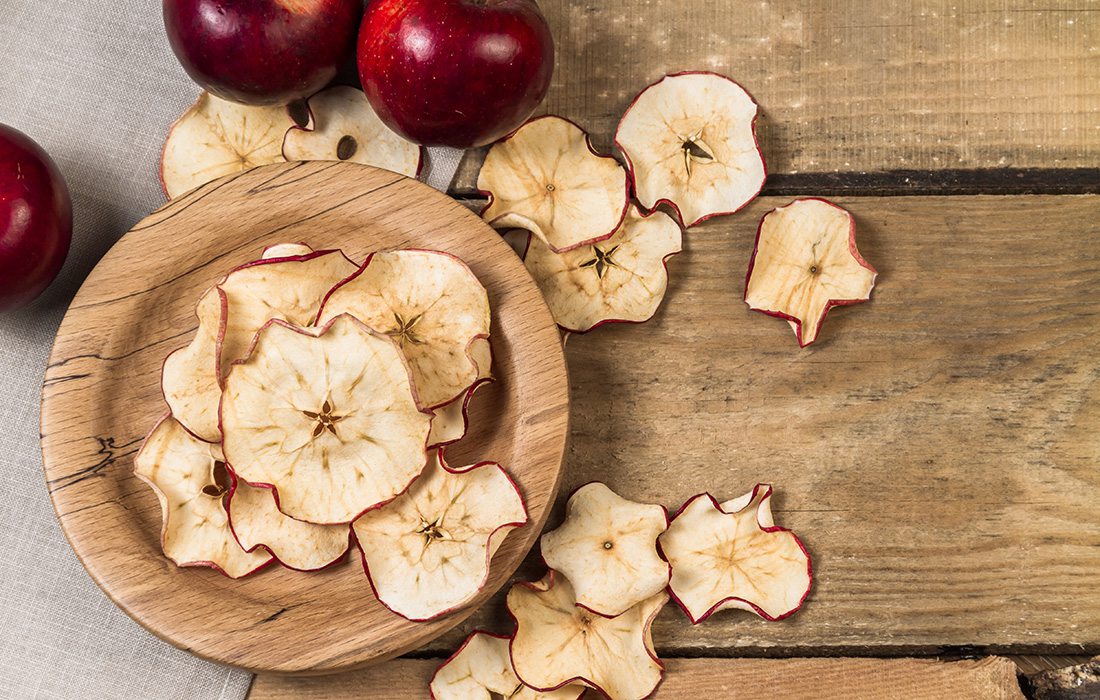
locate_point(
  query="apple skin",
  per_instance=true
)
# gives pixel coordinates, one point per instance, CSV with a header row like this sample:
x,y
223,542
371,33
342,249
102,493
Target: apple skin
x,y
459,73
36,219
262,52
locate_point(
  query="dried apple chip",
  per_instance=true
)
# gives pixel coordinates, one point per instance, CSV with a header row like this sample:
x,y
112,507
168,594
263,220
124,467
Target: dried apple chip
x,y
622,279
558,643
215,138
481,669
432,305
734,556
190,480
189,378
258,523
607,548
451,421
343,126
690,142
427,553
546,178
805,263
327,417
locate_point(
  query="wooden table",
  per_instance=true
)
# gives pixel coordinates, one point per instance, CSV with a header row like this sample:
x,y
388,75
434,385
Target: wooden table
x,y
939,448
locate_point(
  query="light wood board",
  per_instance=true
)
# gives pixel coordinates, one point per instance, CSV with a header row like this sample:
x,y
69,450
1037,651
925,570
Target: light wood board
x,y
102,394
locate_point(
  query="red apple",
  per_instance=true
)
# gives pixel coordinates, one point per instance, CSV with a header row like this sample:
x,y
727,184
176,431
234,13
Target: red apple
x,y
459,73
36,219
262,52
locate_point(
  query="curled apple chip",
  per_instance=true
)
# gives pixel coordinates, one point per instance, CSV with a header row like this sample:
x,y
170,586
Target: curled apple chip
x,y
431,304
258,523
481,669
547,179
190,480
215,138
734,556
607,548
428,552
451,421
326,417
621,279
557,643
805,263
285,250
690,142
343,126
189,378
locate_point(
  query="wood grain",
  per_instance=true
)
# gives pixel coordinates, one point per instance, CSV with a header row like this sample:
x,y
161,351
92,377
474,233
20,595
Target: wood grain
x,y
809,679
853,87
101,396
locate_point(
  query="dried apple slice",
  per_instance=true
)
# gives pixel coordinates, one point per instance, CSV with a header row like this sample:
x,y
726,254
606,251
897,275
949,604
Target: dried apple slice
x,y
427,553
546,178
215,138
190,480
734,556
343,126
189,378
285,250
690,142
558,643
622,279
805,263
451,421
432,305
326,417
481,669
607,548
258,523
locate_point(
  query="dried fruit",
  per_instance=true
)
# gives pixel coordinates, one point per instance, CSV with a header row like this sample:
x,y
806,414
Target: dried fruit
x,y
805,263
621,279
189,378
343,126
327,417
215,138
481,669
547,179
257,522
428,552
607,548
734,556
432,305
190,480
451,421
557,643
690,142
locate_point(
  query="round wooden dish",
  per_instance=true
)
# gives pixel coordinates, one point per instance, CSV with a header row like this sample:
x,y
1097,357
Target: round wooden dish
x,y
101,396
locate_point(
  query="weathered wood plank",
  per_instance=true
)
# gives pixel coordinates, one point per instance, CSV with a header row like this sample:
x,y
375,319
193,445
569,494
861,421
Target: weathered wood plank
x,y
878,679
853,87
938,448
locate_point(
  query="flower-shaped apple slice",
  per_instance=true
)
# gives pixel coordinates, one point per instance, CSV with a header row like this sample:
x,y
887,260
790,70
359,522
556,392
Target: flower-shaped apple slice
x,y
258,523
558,643
345,127
607,548
734,556
215,138
190,480
432,305
547,179
327,417
427,553
690,142
451,421
481,669
805,263
622,279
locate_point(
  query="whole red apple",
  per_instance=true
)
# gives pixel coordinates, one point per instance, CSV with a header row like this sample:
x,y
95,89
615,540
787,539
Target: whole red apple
x,y
262,52
459,73
36,219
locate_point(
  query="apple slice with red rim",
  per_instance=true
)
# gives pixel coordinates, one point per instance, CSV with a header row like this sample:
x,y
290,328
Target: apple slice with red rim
x,y
481,669
451,421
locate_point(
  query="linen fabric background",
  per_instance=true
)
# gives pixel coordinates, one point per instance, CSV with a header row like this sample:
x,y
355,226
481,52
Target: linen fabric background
x,y
95,83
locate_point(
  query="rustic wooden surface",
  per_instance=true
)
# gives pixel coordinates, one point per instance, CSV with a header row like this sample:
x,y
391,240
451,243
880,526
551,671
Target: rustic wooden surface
x,y
102,395
809,679
851,87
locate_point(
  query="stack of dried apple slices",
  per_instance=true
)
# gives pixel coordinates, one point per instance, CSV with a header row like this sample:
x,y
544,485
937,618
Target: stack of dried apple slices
x,y
613,565
310,411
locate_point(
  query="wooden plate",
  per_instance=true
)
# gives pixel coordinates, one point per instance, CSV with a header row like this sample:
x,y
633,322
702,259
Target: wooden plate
x,y
101,396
